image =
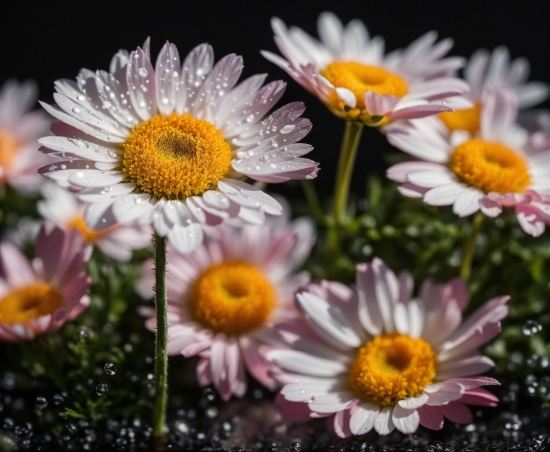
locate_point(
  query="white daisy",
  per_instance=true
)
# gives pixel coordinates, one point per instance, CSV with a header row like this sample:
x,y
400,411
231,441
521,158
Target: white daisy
x,y
373,357
488,70
348,71
63,209
169,145
19,130
500,166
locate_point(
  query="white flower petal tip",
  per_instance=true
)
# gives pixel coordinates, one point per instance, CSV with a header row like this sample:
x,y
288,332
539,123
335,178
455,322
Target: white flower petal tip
x,y
443,176
234,338
55,281
328,362
100,148
419,74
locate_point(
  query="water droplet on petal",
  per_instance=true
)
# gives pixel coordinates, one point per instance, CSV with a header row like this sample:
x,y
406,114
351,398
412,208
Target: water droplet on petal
x,y
142,72
288,128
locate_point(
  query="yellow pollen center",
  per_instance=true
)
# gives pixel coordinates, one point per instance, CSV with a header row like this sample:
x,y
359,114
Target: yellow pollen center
x,y
29,302
175,156
360,78
8,148
392,367
89,235
468,119
491,167
232,298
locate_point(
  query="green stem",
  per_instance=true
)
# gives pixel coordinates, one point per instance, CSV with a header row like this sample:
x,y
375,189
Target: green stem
x,y
469,246
348,151
161,358
313,201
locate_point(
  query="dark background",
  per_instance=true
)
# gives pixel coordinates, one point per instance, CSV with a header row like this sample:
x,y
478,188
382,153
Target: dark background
x,y
47,40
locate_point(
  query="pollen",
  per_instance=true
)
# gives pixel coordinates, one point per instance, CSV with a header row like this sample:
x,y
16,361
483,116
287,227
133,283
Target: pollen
x,y
88,235
392,367
233,297
491,167
359,79
29,302
468,119
8,149
175,156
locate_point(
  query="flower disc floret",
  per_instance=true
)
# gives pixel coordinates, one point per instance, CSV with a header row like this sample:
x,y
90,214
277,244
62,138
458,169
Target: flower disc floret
x,y
29,302
360,78
392,367
490,166
8,148
468,119
233,297
176,156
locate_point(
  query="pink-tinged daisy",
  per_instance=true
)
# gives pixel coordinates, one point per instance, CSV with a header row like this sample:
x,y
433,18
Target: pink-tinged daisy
x,y
485,71
19,130
348,71
63,209
39,297
374,357
224,297
169,145
500,166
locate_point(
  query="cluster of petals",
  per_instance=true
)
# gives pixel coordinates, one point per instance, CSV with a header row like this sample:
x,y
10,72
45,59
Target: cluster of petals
x,y
19,129
489,70
421,65
59,263
432,179
98,112
61,207
339,320
277,248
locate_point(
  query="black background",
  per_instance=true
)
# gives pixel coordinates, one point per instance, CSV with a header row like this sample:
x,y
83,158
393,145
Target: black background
x,y
47,40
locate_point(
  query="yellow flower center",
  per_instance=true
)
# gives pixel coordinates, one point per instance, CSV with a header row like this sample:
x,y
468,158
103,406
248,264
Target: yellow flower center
x,y
176,156
468,119
8,148
88,235
360,78
490,166
29,302
392,367
232,298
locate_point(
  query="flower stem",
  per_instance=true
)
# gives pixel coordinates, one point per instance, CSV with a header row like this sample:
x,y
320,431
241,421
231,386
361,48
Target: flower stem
x,y
161,357
469,246
348,151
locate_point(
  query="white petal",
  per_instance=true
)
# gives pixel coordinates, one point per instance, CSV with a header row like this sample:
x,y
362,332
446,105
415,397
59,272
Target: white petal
x,y
406,421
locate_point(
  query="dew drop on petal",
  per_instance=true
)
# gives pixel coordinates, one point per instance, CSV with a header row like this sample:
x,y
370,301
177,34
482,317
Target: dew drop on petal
x,y
288,128
142,72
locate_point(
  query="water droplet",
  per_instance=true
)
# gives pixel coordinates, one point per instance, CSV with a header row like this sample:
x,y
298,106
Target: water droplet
x,y
531,327
101,389
250,118
41,403
110,369
142,72
58,399
63,166
211,412
81,97
76,110
288,128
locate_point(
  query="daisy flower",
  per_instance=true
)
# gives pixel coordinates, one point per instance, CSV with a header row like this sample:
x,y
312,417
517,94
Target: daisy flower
x,y
224,297
374,357
485,71
63,209
169,145
19,130
500,166
348,71
39,297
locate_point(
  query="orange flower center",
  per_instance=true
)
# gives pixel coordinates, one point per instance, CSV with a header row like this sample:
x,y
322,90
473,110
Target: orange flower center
x,y
491,167
392,367
468,119
176,156
89,235
232,297
29,302
8,148
360,78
